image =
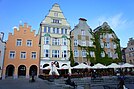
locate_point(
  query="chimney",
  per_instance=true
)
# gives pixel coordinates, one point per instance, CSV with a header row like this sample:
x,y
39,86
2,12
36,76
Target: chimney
x,y
82,19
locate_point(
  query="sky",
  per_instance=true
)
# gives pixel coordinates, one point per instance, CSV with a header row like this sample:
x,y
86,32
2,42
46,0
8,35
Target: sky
x,y
118,13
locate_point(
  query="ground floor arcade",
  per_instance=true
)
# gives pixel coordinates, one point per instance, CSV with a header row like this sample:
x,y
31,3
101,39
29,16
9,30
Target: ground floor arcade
x,y
19,71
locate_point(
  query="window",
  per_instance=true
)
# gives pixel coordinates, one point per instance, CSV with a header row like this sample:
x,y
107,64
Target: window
x,y
33,55
83,43
64,40
102,54
55,41
55,53
64,54
82,32
56,21
108,45
12,54
90,43
45,29
62,31
29,43
92,54
57,30
23,55
110,36
75,42
83,53
19,42
109,54
133,54
46,53
56,14
49,29
46,40
102,45
65,31
76,53
54,30
114,45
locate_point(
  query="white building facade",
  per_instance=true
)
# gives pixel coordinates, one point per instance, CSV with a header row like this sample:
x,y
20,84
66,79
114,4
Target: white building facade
x,y
54,39
2,51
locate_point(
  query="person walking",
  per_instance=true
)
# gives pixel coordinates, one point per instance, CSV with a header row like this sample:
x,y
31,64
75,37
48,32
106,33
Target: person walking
x,y
33,74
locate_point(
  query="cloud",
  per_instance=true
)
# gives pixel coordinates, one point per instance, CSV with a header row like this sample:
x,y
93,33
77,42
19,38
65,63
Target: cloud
x,y
116,21
15,27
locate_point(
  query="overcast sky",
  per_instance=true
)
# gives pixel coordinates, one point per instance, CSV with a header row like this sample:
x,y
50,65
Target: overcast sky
x,y
118,13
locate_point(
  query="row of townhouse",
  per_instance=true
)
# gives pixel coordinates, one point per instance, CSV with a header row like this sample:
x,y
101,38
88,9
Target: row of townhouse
x,y
128,52
26,52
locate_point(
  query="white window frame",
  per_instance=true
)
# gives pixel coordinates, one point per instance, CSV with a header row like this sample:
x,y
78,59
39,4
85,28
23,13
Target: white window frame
x,y
84,53
64,41
114,45
57,30
76,53
56,21
108,44
92,54
46,40
12,55
90,43
49,30
19,42
29,43
102,54
23,55
56,14
109,54
55,53
33,55
75,42
83,32
65,31
102,45
45,29
83,43
62,31
54,30
64,53
46,52
55,41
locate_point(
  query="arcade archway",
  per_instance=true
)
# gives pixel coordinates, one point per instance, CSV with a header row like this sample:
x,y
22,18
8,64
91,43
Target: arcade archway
x,y
22,70
33,68
10,70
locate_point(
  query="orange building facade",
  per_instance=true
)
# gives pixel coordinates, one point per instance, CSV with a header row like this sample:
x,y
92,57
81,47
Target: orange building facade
x,y
22,53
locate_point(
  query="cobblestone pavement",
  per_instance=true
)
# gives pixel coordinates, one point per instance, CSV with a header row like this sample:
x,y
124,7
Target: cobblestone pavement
x,y
23,83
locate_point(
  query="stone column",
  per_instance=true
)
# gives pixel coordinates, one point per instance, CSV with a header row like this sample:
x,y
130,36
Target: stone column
x,y
27,73
15,75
